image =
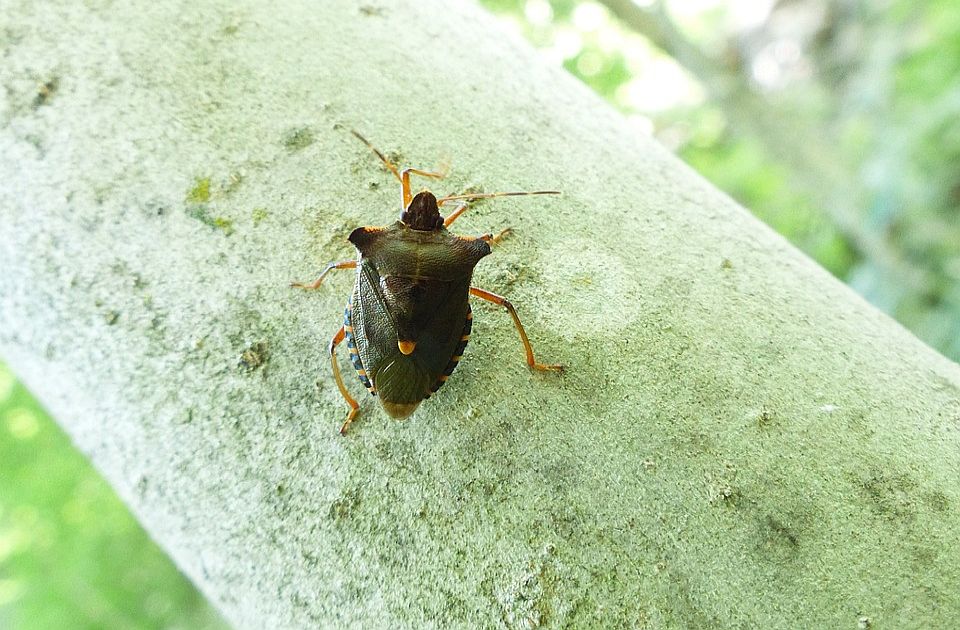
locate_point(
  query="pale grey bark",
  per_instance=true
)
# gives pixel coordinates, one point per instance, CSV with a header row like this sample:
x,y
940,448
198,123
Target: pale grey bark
x,y
739,440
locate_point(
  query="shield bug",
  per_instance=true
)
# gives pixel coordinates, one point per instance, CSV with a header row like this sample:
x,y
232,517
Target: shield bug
x,y
408,319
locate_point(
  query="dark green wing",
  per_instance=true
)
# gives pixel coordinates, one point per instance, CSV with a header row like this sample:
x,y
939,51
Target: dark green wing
x,y
433,311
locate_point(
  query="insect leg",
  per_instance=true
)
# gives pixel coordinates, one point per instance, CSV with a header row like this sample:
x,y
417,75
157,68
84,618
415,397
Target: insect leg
x,y
504,302
405,182
343,264
490,238
354,407
456,213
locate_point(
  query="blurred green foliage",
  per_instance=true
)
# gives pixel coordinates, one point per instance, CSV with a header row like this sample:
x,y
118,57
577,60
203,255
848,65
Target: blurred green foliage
x,y
837,122
71,555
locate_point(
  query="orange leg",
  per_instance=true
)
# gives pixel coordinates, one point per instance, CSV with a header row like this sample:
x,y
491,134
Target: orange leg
x,y
453,215
354,407
495,239
504,302
403,176
490,238
405,182
343,264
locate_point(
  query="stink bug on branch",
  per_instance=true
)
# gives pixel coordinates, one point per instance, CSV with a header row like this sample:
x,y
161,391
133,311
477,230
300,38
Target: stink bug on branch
x,y
409,319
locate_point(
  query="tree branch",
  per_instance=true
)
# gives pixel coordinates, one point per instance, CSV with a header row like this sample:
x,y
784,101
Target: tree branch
x,y
739,439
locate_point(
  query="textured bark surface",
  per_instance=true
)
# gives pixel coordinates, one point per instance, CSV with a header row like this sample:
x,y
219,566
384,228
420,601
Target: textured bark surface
x,y
739,440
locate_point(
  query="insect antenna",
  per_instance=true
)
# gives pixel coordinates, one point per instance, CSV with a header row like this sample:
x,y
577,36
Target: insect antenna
x,y
465,199
383,158
472,196
404,176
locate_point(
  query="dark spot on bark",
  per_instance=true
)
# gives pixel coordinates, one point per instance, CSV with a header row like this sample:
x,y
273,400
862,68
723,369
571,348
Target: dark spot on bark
x,y
936,501
890,495
155,208
45,92
255,355
343,507
780,532
298,138
778,539
765,418
201,213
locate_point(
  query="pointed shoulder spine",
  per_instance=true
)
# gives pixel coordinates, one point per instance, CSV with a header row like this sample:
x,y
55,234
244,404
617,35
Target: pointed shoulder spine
x,y
473,248
362,237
